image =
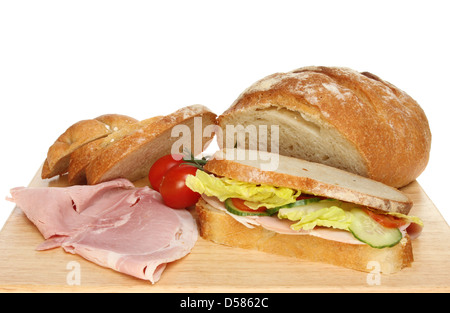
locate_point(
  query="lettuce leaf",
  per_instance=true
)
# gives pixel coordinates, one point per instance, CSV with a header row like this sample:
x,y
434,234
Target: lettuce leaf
x,y
255,195
327,213
409,218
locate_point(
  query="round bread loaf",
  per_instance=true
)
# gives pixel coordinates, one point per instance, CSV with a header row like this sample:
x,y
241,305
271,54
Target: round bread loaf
x,y
336,116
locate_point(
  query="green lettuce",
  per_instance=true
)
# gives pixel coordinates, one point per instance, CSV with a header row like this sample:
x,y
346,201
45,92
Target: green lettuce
x,y
409,218
327,213
255,195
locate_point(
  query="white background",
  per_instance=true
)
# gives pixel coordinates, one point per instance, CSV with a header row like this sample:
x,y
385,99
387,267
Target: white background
x,y
63,61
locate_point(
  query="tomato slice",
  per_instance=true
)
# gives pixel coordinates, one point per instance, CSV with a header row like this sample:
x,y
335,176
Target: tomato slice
x,y
385,220
240,205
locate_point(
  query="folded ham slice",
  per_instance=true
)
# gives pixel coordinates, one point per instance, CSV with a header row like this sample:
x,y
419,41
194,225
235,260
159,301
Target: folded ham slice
x,y
112,224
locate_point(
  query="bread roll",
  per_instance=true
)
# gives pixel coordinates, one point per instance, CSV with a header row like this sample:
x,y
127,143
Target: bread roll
x,y
339,117
77,135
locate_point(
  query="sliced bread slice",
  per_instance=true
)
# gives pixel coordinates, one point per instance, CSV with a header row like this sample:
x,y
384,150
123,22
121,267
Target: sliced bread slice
x,y
81,157
310,177
133,156
77,135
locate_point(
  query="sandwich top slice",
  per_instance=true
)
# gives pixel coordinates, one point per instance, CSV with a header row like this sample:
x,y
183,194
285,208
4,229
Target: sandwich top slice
x,y
303,209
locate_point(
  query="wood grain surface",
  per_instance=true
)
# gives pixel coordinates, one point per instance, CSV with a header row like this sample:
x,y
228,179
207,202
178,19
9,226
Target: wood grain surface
x,y
215,268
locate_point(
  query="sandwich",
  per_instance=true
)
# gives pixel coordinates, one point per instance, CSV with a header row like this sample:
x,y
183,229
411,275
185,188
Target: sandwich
x,y
304,210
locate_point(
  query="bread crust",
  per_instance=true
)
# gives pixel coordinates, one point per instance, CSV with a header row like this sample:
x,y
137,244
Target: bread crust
x,y
77,135
220,228
384,124
133,156
81,157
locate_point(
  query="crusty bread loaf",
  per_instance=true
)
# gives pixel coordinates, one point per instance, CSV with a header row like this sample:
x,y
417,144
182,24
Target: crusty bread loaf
x,y
77,135
115,122
311,177
219,227
81,157
132,156
339,117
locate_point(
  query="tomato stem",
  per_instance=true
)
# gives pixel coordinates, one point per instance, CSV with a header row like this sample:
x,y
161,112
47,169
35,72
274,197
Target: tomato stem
x,y
191,160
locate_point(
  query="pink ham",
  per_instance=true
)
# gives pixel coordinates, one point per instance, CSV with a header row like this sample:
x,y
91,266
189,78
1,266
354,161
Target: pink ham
x,y
62,211
112,224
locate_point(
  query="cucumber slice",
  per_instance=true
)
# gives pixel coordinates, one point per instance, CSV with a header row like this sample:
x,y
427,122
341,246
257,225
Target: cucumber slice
x,y
232,209
367,230
293,205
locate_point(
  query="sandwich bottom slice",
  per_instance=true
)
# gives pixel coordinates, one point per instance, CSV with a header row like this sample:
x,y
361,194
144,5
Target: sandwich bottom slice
x,y
221,228
305,210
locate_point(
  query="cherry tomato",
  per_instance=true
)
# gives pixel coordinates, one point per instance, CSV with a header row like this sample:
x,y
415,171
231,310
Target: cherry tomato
x,y
173,188
161,166
386,220
240,205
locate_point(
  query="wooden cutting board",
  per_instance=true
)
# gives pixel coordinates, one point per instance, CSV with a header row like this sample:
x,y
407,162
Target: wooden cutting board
x,y
214,268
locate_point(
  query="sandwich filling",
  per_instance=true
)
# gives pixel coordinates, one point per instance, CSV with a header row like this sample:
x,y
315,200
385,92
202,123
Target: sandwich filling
x,y
279,208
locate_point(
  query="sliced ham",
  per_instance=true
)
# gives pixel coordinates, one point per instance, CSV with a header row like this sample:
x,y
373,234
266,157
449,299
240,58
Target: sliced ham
x,y
112,224
412,229
62,211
